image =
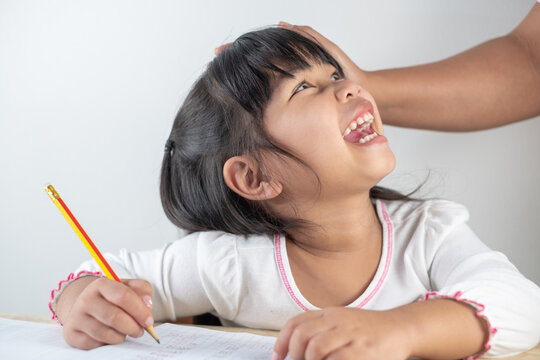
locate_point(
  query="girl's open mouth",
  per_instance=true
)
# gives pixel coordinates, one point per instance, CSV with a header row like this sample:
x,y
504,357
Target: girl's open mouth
x,y
360,130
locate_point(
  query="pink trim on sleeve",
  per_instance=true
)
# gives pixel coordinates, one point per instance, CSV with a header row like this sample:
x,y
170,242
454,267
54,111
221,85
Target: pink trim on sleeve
x,y
71,277
480,308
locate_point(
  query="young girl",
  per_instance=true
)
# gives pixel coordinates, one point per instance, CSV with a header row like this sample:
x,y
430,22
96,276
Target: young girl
x,y
271,166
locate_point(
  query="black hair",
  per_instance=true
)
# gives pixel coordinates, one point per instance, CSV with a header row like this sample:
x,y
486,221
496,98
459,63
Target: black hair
x,y
222,117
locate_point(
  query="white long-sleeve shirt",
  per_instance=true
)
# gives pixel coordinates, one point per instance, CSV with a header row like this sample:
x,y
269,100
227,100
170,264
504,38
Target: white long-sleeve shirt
x,y
427,251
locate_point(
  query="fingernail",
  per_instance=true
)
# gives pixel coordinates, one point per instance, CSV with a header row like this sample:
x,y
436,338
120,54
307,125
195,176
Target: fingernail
x,y
141,333
149,321
147,300
275,356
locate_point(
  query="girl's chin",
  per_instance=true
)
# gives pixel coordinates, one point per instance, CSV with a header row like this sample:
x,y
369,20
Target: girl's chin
x,y
382,166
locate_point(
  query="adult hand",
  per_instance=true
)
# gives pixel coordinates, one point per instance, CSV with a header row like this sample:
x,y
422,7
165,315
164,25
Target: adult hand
x,y
351,70
221,48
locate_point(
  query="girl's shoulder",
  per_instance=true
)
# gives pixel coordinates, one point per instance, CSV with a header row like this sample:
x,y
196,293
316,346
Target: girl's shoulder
x,y
422,227
221,238
433,212
221,245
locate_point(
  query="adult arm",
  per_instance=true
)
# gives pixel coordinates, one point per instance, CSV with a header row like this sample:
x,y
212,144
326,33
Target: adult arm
x,y
490,85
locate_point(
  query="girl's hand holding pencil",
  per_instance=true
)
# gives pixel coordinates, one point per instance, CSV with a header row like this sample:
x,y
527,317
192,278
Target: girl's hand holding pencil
x,y
98,311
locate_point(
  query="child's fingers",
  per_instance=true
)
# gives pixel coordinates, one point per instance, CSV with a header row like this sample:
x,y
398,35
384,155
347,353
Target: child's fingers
x,y
143,288
81,340
128,300
303,335
327,343
344,352
116,318
281,347
102,333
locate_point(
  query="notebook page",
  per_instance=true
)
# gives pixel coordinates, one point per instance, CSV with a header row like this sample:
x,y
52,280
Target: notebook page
x,y
30,340
27,340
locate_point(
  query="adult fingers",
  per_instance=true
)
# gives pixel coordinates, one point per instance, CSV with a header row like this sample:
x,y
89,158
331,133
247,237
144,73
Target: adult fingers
x,y
309,32
350,69
220,48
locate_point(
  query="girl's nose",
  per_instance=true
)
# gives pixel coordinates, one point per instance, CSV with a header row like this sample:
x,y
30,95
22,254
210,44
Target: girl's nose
x,y
346,90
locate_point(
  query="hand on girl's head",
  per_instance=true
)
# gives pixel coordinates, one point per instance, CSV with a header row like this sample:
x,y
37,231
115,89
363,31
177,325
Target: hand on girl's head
x,y
282,24
351,70
106,311
343,333
220,48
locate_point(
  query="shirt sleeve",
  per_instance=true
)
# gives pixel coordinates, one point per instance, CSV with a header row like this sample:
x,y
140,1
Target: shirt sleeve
x,y
465,269
184,274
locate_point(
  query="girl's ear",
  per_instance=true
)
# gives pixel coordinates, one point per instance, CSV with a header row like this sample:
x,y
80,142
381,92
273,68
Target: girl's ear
x,y
242,176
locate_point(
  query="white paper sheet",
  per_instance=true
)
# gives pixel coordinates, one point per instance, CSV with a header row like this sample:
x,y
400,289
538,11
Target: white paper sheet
x,y
28,340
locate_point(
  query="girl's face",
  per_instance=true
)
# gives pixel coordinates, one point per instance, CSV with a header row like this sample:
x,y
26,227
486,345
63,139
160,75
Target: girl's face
x,y
309,115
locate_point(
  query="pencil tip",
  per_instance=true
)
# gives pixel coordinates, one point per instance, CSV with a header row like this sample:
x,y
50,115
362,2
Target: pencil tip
x,y
152,333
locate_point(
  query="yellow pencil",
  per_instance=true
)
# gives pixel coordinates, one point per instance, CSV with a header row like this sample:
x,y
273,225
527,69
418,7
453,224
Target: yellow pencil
x,y
96,254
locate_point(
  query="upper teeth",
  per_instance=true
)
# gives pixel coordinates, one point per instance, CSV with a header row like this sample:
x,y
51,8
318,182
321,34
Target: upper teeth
x,y
366,119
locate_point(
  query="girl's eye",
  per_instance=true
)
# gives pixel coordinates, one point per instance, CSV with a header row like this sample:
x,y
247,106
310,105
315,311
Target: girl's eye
x,y
301,87
335,77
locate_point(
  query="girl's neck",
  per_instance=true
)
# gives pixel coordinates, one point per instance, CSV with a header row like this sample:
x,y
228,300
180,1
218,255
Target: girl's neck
x,y
343,227
334,263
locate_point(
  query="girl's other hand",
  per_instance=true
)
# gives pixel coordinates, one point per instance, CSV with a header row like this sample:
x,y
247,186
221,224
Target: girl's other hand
x,y
105,311
344,333
351,70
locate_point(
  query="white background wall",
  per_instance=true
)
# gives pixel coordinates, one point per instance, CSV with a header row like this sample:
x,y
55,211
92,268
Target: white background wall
x,y
89,90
